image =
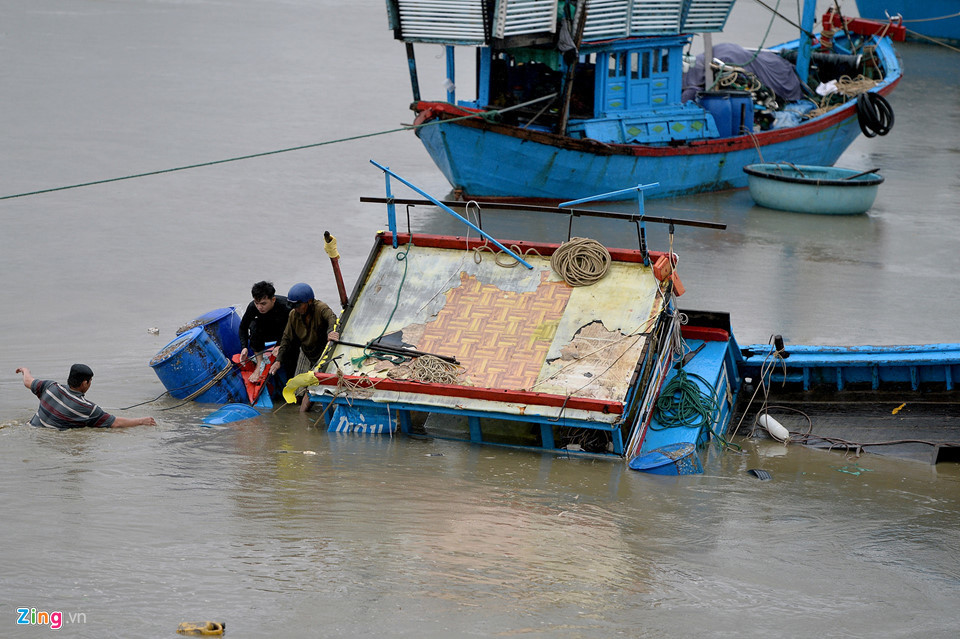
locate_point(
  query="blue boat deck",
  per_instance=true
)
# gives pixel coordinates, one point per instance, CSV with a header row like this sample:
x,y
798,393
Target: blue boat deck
x,y
709,371
874,367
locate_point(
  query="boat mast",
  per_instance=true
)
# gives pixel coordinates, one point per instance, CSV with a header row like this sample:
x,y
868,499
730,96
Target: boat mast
x,y
806,39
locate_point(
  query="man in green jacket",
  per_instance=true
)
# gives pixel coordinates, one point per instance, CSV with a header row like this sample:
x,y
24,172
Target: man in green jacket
x,y
311,324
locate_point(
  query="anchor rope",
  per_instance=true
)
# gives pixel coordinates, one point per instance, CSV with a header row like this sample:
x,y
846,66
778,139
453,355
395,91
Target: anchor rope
x,y
486,115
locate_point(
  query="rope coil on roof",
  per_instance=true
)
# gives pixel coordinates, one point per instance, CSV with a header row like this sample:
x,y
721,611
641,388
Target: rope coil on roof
x,y
581,261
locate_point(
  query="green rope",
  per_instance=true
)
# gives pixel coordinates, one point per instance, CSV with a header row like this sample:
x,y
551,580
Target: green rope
x,y
487,115
682,404
358,361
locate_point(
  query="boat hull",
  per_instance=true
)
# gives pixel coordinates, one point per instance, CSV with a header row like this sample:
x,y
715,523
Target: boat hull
x,y
484,159
924,19
812,189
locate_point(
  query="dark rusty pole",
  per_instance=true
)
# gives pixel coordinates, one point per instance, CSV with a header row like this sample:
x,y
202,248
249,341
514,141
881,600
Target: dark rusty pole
x,y
330,246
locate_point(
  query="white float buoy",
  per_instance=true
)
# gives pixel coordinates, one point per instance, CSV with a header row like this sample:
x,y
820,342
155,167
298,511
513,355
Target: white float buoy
x,y
775,428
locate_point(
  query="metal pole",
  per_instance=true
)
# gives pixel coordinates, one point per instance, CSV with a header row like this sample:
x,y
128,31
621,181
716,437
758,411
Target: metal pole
x,y
640,188
437,202
412,63
391,207
330,246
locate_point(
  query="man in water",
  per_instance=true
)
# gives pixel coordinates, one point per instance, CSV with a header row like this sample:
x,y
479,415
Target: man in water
x,y
311,323
63,408
262,322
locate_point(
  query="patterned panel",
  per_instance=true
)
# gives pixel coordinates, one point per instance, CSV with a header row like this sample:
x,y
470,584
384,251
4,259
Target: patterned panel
x,y
500,337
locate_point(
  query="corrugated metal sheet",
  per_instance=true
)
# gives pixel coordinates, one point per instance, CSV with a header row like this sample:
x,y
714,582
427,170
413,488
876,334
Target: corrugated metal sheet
x,y
622,18
442,20
703,16
521,17
463,21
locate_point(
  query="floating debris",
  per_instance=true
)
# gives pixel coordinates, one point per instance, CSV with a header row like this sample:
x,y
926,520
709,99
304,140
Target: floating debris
x,y
761,474
153,330
201,628
854,469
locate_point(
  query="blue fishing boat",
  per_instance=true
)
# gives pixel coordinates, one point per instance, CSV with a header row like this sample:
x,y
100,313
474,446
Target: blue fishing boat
x,y
824,190
924,21
577,98
899,400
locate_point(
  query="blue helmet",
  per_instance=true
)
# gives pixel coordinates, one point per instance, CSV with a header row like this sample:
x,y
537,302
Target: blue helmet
x,y
300,293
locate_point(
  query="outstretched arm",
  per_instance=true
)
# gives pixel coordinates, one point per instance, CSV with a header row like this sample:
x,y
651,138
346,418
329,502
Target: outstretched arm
x,y
125,422
27,377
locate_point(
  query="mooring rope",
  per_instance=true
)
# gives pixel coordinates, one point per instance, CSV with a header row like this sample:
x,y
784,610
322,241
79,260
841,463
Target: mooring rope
x,y
486,115
581,261
501,258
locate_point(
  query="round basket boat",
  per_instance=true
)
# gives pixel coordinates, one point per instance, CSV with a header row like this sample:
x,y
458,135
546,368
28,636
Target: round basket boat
x,y
804,188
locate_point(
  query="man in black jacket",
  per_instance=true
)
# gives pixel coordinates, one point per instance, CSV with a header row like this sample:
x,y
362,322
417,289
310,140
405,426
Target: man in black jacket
x,y
263,322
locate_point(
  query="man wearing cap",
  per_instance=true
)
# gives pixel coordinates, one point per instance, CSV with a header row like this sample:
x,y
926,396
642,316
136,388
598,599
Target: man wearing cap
x,y
311,323
64,408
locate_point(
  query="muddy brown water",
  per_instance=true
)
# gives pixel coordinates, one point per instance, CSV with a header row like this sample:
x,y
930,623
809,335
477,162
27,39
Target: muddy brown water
x,y
283,530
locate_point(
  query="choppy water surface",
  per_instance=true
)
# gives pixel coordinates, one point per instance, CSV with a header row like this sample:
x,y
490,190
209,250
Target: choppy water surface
x,y
136,531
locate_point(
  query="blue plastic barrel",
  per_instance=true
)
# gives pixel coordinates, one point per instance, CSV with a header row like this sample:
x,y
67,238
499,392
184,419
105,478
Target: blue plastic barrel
x,y
190,361
731,110
741,112
223,326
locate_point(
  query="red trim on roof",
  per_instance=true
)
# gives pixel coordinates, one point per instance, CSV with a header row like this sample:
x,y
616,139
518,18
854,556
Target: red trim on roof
x,y
473,392
543,248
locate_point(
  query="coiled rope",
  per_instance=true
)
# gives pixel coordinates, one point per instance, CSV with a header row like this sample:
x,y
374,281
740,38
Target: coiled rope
x,y
874,114
682,403
581,261
500,257
428,369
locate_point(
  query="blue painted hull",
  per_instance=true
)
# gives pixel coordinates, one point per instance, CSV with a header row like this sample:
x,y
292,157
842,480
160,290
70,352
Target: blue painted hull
x,y
842,367
925,18
483,159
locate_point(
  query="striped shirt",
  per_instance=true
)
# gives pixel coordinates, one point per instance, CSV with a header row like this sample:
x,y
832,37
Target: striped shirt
x,y
63,408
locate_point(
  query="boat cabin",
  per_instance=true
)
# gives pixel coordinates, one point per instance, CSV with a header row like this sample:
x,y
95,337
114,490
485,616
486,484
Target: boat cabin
x,y
609,71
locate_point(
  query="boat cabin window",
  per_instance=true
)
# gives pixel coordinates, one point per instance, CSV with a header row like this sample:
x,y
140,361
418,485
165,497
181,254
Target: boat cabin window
x,y
636,79
521,76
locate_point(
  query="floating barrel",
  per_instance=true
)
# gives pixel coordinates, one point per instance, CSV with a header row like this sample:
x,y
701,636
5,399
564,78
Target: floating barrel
x,y
190,362
672,459
223,326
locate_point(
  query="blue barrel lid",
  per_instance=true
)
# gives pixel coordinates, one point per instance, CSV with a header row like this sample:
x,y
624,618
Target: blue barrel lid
x,y
657,457
176,345
207,318
231,413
